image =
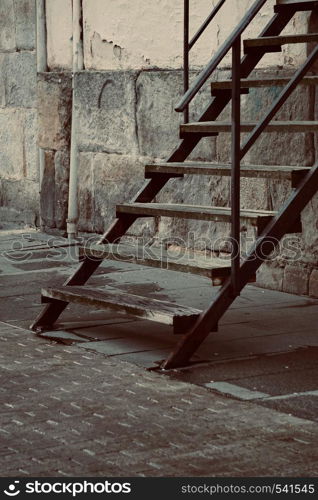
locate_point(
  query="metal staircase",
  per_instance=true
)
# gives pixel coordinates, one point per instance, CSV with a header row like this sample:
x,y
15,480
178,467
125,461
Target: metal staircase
x,y
192,324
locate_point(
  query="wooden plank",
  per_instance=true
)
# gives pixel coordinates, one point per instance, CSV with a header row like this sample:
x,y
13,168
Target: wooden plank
x,y
295,3
182,260
273,41
278,172
264,82
256,218
197,212
274,126
176,315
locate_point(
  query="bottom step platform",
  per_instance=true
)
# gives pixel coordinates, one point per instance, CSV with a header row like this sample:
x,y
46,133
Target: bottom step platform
x,y
178,316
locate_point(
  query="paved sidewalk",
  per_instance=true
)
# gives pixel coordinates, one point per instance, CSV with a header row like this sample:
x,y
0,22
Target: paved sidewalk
x,y
80,400
67,412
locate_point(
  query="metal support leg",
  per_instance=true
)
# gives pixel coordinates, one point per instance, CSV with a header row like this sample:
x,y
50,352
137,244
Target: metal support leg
x,y
235,160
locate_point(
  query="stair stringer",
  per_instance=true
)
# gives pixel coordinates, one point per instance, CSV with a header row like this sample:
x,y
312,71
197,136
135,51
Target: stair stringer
x,y
152,187
262,248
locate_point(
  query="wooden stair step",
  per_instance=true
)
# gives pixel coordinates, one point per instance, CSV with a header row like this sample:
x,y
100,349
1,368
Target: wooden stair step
x,y
297,5
280,172
186,261
275,42
178,316
203,128
248,83
257,218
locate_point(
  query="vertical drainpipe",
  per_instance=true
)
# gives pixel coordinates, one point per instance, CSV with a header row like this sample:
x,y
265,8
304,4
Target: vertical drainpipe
x,y
41,63
78,65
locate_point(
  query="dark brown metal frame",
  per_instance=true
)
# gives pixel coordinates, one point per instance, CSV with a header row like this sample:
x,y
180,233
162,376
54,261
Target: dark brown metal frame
x,y
242,273
187,45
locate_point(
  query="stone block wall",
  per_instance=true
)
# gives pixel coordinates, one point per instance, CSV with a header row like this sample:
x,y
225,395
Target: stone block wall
x,y
54,135
19,188
127,119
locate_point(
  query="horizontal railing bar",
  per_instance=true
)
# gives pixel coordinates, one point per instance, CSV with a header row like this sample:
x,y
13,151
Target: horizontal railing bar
x,y
220,54
206,23
279,102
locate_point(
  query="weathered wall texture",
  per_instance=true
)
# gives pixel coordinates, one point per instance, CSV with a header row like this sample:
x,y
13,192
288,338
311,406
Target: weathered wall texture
x,y
124,34
124,106
126,119
54,121
19,189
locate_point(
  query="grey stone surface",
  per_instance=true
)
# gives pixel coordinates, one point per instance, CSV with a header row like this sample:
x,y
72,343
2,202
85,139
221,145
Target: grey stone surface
x,y
30,129
271,276
62,166
158,124
21,195
25,20
157,121
18,121
126,119
106,180
2,81
18,155
271,149
48,191
7,26
309,236
18,70
313,283
11,144
11,217
296,280
54,110
86,193
19,165
105,107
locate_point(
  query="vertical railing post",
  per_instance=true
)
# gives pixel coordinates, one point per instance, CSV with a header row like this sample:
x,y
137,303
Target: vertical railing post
x,y
236,161
186,55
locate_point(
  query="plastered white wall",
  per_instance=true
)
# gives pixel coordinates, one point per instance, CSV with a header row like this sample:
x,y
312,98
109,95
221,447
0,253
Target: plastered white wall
x,y
135,34
59,33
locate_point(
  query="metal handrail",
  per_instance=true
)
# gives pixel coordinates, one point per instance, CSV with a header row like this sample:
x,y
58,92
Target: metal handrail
x,y
206,23
191,92
187,45
233,42
237,152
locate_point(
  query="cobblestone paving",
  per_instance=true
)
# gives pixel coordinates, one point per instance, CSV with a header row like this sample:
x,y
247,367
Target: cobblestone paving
x,y
70,412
